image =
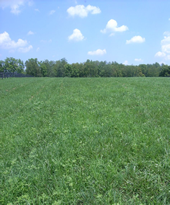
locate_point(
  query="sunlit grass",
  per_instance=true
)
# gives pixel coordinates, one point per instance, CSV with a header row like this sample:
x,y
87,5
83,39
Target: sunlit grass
x,y
85,141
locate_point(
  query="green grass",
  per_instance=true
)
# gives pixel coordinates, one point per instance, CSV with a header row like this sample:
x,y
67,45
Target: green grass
x,y
85,141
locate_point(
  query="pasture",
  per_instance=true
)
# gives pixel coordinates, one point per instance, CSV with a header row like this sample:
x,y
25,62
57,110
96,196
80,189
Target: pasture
x,y
84,141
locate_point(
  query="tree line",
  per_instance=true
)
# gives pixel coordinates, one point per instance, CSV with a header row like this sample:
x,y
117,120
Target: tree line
x,y
62,68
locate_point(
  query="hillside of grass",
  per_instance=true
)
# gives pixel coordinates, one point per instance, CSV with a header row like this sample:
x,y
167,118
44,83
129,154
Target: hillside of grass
x,y
84,141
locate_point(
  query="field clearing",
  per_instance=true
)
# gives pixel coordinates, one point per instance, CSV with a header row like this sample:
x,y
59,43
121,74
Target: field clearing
x,y
85,141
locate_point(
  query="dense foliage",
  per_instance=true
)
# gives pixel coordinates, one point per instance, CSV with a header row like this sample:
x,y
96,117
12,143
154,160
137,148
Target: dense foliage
x,y
12,65
90,68
165,72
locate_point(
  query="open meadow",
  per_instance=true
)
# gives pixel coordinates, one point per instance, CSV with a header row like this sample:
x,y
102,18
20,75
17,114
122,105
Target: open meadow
x,y
84,141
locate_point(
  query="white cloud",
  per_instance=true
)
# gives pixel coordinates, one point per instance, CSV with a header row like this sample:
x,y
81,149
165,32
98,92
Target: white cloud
x,y
30,33
46,41
97,52
30,3
15,5
25,49
52,12
7,43
165,47
168,57
112,34
135,39
126,62
166,33
93,9
15,9
82,11
169,19
166,40
37,10
160,54
76,35
138,59
111,26
37,49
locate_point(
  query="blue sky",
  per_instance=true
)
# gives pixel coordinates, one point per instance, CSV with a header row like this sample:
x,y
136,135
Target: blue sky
x,y
126,31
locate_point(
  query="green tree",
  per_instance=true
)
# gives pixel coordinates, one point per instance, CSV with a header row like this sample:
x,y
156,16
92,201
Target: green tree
x,y
20,68
11,64
75,70
60,68
43,69
68,70
33,67
50,68
165,72
2,65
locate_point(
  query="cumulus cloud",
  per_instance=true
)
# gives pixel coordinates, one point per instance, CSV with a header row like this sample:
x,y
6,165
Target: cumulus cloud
x,y
166,39
30,33
15,5
111,26
135,39
46,41
126,62
166,33
165,47
97,52
168,57
160,54
112,34
25,49
166,44
138,59
76,35
52,12
7,43
82,11
30,3
37,10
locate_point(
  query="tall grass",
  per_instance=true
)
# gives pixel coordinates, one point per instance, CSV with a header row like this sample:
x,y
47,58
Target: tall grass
x,y
85,141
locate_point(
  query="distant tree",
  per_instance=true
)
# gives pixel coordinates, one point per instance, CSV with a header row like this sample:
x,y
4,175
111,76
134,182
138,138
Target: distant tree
x,y
165,72
33,67
68,70
75,70
11,64
60,68
43,69
50,67
2,66
87,65
20,68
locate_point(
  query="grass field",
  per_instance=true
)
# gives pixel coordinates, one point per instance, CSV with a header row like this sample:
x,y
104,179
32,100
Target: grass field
x,y
85,141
